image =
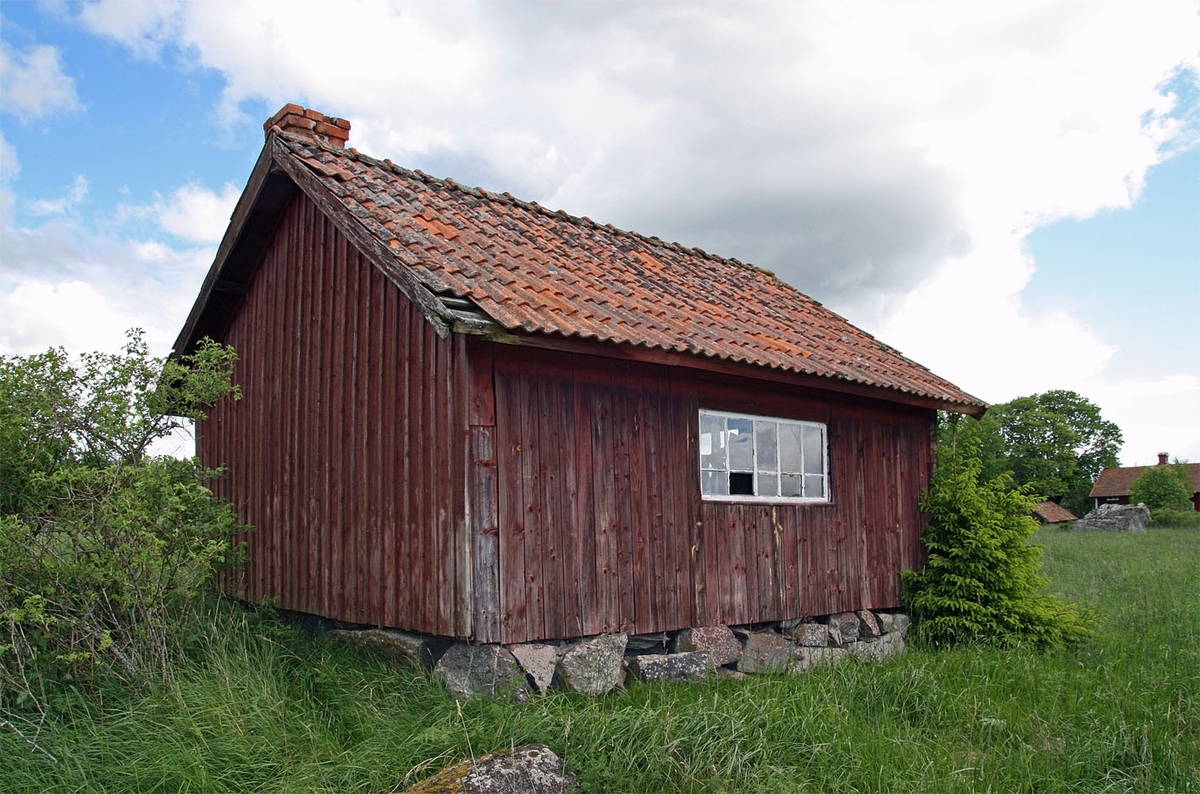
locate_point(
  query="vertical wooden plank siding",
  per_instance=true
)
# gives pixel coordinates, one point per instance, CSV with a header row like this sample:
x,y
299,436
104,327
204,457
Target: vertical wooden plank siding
x,y
600,525
349,451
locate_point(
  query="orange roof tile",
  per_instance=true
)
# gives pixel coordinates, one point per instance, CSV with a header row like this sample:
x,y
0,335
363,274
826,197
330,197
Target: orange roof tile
x,y
542,271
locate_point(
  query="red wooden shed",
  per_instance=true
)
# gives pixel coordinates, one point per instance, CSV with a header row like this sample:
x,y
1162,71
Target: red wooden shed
x,y
471,416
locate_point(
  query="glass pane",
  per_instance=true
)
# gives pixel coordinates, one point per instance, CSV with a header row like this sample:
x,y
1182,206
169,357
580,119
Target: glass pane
x,y
789,485
764,440
714,483
768,484
814,487
789,447
814,451
712,442
741,444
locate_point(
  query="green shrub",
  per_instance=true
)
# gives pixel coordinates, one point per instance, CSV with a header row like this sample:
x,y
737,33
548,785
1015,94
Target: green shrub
x,y
1174,518
103,548
981,580
1163,488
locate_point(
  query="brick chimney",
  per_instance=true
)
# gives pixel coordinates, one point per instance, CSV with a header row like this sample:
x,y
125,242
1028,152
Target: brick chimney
x,y
1162,458
310,124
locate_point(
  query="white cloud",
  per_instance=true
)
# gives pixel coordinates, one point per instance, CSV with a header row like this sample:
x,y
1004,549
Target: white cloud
x,y
142,25
197,214
36,315
65,203
33,82
1157,415
888,159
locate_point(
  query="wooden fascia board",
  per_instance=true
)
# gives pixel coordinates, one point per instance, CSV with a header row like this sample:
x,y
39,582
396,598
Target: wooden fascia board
x,y
367,243
242,213
671,358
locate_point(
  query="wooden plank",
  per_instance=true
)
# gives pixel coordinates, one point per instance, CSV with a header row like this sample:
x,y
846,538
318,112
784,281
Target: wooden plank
x,y
662,603
604,486
485,528
623,435
582,497
389,418
531,493
511,502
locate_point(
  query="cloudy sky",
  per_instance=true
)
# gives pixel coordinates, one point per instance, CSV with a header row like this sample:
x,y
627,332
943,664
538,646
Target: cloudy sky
x,y
1007,192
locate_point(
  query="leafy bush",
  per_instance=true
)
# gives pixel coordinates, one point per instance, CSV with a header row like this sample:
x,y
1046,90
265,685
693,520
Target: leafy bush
x,y
103,548
1163,488
981,580
1174,518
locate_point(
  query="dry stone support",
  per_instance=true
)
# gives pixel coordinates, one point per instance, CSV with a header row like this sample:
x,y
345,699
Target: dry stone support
x,y
592,666
487,670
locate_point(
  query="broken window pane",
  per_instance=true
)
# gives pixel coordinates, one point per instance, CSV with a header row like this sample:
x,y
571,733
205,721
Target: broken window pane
x,y
741,444
789,485
789,447
712,442
741,482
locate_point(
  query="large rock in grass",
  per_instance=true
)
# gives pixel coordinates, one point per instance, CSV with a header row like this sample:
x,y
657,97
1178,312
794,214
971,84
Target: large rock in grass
x,y
723,648
805,658
533,769
482,670
843,627
879,648
538,661
811,635
1114,518
672,667
415,650
767,652
592,666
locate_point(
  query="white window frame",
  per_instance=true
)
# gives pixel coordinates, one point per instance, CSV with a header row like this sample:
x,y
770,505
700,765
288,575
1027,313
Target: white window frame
x,y
755,497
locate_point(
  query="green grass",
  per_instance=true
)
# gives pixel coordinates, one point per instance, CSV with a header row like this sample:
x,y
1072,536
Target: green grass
x,y
267,708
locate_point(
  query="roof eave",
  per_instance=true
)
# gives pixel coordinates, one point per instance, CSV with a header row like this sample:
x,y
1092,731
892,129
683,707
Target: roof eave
x,y
242,214
655,355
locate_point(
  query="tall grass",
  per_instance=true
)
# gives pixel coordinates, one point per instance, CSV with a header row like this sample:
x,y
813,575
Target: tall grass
x,y
261,707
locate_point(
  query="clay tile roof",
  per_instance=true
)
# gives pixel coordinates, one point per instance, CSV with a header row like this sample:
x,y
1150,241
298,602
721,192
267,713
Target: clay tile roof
x,y
1117,481
1052,513
542,271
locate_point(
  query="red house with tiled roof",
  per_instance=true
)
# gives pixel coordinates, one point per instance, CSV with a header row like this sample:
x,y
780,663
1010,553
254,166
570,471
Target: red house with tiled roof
x,y
471,416
1113,485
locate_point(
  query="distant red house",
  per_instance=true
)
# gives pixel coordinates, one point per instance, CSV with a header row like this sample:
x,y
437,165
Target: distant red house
x,y
1053,513
1112,486
471,416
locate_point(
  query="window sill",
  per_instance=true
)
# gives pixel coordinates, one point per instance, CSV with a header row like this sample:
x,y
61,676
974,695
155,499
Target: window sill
x,y
764,500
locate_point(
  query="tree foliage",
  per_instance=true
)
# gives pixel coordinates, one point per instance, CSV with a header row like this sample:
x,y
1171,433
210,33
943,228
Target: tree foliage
x,y
1056,443
103,547
1163,488
981,580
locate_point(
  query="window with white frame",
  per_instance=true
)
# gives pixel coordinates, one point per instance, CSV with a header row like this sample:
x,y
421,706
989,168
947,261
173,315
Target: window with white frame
x,y
745,457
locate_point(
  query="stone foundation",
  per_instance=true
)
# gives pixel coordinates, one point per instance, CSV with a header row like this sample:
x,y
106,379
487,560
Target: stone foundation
x,y
595,665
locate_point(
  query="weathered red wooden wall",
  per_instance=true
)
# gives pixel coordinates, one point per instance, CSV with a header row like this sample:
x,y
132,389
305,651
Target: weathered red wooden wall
x,y
600,525
348,449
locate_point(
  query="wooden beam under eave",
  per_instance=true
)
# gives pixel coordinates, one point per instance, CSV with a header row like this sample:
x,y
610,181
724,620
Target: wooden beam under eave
x,y
671,358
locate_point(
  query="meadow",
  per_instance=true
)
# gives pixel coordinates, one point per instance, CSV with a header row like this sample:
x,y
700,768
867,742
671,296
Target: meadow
x,y
261,706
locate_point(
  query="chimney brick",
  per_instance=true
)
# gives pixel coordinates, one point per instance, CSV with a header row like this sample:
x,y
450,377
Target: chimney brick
x,y
1162,458
310,124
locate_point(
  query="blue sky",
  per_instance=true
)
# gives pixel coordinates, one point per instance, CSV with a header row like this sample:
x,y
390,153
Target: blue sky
x,y
1010,195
